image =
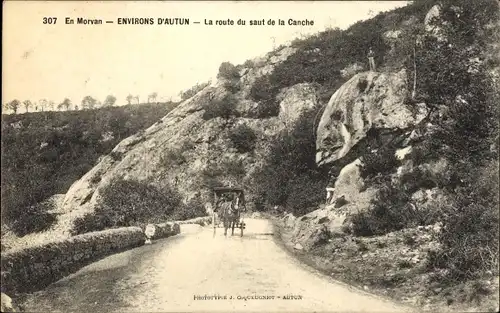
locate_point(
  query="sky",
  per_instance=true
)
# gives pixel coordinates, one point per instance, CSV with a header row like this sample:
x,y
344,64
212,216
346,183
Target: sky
x,y
57,61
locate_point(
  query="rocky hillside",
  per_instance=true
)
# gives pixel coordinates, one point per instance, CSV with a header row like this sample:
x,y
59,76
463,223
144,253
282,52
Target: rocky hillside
x,y
198,145
411,149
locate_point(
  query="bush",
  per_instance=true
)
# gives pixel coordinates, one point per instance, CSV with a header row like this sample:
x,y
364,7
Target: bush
x,y
173,157
32,220
193,90
116,156
362,84
233,167
392,210
232,86
249,64
470,234
32,173
228,71
264,92
129,203
224,108
243,138
290,176
381,162
194,208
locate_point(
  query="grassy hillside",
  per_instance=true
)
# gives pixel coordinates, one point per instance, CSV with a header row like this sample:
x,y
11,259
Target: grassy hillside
x,y
44,153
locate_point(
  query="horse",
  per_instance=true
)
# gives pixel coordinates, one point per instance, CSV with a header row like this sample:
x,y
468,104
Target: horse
x,y
230,215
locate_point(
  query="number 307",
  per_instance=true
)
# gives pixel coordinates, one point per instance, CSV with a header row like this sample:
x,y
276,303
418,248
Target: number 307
x,y
49,20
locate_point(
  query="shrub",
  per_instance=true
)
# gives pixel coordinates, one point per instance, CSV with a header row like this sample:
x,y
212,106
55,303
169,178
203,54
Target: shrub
x,y
233,86
129,203
31,173
228,71
243,138
32,220
96,179
290,176
224,108
193,90
264,92
392,210
233,167
249,64
381,162
172,157
470,233
362,84
194,208
116,156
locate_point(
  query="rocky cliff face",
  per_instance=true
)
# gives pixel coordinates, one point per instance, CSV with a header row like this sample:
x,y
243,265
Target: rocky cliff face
x,y
364,114
369,102
186,150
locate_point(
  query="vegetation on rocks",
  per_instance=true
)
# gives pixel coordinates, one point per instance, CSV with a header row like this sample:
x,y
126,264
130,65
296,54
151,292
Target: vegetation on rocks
x,y
454,79
243,138
225,108
291,177
134,203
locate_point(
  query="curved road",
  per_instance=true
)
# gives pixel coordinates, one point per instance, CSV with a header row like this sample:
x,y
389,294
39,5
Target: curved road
x,y
167,275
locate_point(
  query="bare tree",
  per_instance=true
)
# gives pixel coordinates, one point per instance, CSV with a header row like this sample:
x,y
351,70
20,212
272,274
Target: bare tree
x,y
27,105
137,99
152,97
43,104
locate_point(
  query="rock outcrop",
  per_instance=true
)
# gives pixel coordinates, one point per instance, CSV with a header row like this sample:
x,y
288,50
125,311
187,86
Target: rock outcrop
x,y
368,101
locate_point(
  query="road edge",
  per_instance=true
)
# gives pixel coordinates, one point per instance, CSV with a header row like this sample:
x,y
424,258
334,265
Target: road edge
x,y
281,240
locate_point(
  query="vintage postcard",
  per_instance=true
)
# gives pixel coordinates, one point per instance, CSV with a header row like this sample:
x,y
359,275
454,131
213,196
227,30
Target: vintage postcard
x,y
250,156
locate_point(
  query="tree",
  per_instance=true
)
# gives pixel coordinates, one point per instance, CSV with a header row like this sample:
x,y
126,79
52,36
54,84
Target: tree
x,y
27,105
110,100
88,103
66,103
152,97
43,104
51,105
137,98
14,105
129,99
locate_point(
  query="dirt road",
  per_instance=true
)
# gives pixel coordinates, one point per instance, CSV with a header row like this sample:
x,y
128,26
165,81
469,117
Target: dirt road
x,y
195,271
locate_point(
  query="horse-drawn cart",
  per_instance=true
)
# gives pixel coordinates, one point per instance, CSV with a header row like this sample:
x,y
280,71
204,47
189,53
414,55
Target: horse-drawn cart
x,y
228,203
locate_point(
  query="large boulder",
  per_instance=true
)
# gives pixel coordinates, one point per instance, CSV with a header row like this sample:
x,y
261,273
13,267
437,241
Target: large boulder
x,y
434,22
295,101
368,101
7,304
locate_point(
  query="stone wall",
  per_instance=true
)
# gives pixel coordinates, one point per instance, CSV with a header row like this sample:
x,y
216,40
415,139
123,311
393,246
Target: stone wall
x,y
202,221
34,268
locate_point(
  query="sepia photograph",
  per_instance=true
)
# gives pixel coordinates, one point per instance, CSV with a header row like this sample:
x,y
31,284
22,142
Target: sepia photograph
x,y
250,156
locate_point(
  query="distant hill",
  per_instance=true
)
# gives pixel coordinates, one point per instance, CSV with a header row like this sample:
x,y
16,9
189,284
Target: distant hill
x,y
43,153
